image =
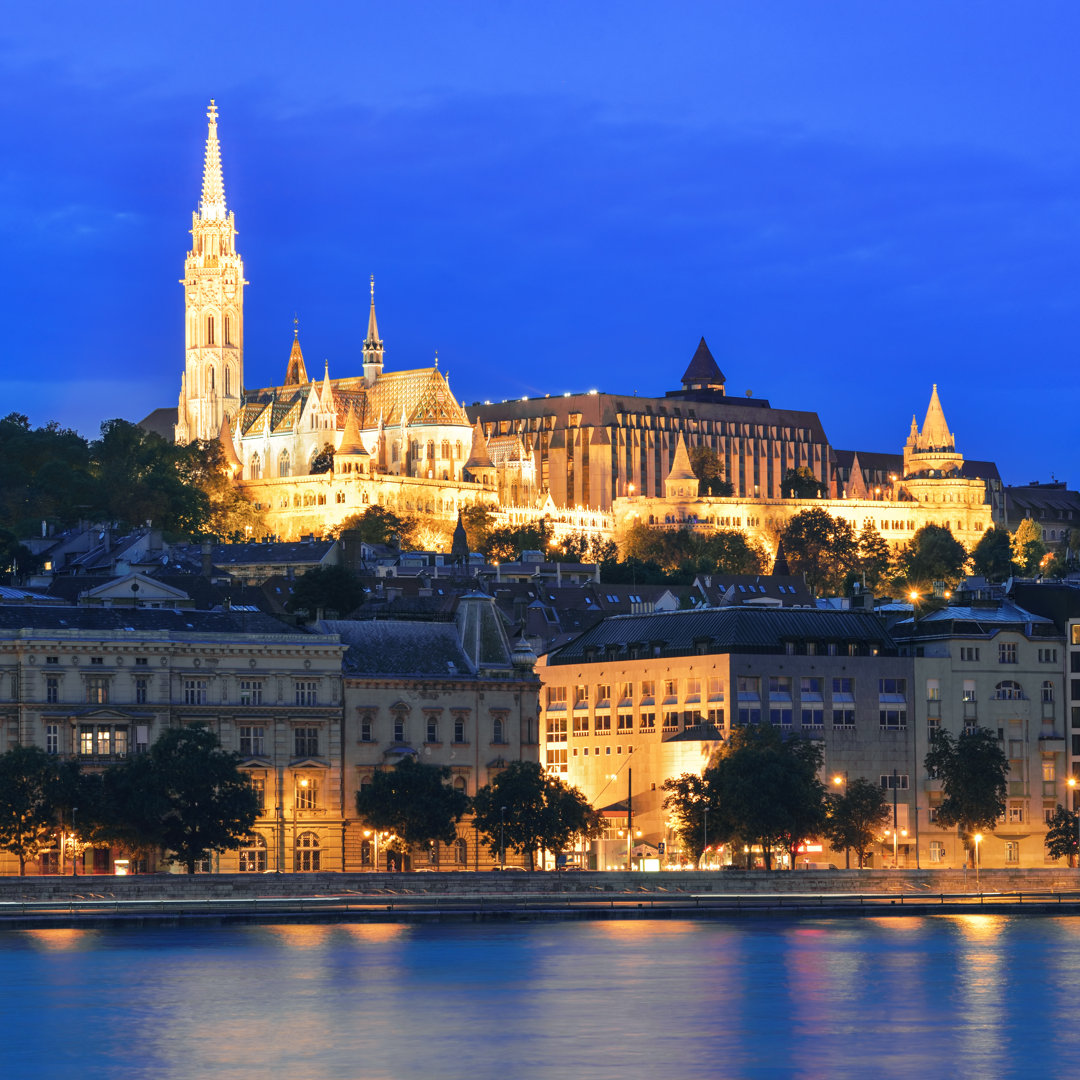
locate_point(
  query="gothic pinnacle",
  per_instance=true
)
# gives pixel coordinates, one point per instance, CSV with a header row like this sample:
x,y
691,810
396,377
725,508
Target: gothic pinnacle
x,y
212,207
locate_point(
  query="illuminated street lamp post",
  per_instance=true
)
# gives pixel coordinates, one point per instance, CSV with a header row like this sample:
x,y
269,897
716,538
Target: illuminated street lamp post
x,y
1072,784
841,781
301,783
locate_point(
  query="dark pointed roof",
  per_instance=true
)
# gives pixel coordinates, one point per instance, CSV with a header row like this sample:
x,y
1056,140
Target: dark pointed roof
x,y
780,563
703,369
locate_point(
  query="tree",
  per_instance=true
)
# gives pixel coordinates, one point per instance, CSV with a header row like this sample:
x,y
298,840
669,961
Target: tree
x,y
229,513
414,801
708,467
973,769
208,803
992,555
380,525
477,520
688,801
1028,548
28,778
323,461
856,817
1061,835
801,483
532,810
821,547
767,790
334,588
932,554
873,556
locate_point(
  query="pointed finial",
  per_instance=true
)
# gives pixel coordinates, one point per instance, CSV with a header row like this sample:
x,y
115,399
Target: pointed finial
x,y
373,288
211,113
296,325
436,357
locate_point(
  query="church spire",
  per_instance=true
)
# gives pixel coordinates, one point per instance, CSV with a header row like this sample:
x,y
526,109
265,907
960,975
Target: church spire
x,y
373,346
296,372
935,434
212,207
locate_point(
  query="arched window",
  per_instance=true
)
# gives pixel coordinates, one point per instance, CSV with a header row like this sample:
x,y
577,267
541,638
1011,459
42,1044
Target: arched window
x,y
307,853
460,783
209,329
228,382
461,851
446,449
497,730
1008,691
253,856
255,467
228,331
366,853
431,449
284,465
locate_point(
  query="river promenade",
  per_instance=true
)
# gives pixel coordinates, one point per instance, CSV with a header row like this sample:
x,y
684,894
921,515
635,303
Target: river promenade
x,y
464,896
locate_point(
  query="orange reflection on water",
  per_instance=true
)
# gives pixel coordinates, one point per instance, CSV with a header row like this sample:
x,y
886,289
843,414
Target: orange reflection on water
x,y
373,933
979,927
62,939
302,935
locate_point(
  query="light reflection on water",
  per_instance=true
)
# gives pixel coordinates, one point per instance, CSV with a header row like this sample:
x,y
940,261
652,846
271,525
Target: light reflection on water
x,y
985,996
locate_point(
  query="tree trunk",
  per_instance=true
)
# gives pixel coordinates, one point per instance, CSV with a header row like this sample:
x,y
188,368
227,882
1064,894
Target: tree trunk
x,y
22,865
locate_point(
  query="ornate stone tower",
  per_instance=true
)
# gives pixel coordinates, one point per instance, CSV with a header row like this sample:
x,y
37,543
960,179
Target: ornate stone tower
x,y
213,281
373,346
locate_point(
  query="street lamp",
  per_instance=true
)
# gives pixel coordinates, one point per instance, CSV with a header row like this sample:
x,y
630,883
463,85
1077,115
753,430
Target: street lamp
x,y
301,783
705,838
74,845
978,841
1072,784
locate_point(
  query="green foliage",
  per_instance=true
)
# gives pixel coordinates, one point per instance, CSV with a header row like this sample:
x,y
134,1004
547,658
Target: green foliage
x,y
1061,834
229,513
801,483
856,817
380,525
477,521
323,461
933,554
973,769
873,556
414,801
682,554
1028,548
992,555
207,802
708,467
533,810
687,800
821,547
331,588
582,548
28,783
766,789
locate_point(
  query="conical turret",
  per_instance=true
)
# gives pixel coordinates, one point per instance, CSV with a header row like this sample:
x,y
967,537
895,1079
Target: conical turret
x,y
935,434
681,482
296,373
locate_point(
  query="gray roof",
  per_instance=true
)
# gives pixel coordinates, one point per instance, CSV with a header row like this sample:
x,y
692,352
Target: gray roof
x,y
966,621
733,629
399,647
142,620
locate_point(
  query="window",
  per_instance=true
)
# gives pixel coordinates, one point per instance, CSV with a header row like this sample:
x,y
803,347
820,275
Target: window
x,y
648,690
937,851
459,729
1049,770
1048,656
581,725
365,728
258,785
893,719
813,717
894,687
194,691
432,730
693,689
1048,691
97,690
307,692
461,852
120,741
671,689
498,729
844,717
556,759
52,738
52,690
283,463
141,691
603,692
306,794
1016,814
1007,652
648,721
399,728
307,853
253,856
933,690
306,742
1012,851
780,687
716,689
556,697
56,659
252,741
97,660
969,654
748,687
894,781
625,722
627,694
581,696
843,689
1008,691
102,741
251,691
780,717
86,741
556,730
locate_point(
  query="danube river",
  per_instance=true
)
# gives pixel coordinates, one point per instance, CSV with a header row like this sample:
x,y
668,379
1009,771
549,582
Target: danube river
x,y
949,996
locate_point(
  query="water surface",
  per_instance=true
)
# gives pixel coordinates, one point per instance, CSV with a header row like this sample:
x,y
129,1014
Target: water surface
x,y
948,996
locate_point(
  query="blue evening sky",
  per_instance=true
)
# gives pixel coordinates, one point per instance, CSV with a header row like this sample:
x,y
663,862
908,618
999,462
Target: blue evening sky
x,y
851,201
